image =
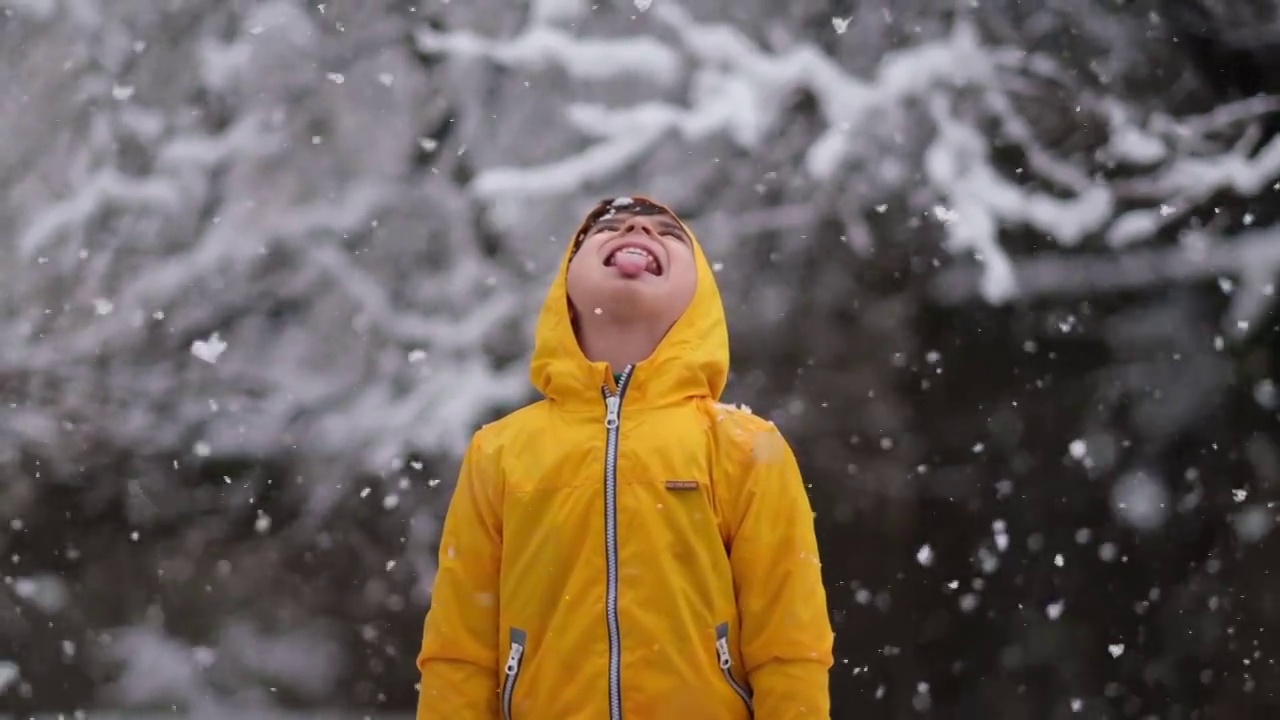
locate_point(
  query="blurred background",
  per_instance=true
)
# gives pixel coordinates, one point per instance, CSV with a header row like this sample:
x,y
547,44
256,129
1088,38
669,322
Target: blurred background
x,y
1003,273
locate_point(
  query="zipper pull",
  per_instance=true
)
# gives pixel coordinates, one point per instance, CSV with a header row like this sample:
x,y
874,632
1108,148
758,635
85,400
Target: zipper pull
x,y
611,405
722,649
513,660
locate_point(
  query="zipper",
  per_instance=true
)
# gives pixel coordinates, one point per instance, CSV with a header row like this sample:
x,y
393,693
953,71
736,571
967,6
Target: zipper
x,y
726,666
613,406
518,638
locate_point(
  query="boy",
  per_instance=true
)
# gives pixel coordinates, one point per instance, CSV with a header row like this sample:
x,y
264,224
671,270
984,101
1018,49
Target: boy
x,y
628,547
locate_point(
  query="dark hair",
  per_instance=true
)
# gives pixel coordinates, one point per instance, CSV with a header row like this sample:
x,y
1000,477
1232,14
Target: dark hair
x,y
612,207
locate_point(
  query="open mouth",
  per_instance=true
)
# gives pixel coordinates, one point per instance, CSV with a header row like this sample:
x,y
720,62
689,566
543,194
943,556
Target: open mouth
x,y
634,258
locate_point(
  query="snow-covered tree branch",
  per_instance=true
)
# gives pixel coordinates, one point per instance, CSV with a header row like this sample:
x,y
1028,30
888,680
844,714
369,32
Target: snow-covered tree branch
x,y
1147,172
268,265
143,273
227,251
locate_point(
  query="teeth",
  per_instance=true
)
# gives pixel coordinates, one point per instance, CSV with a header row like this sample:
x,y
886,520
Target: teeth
x,y
638,252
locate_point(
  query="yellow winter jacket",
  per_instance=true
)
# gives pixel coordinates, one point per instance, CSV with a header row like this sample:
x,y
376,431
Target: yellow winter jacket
x,y
628,549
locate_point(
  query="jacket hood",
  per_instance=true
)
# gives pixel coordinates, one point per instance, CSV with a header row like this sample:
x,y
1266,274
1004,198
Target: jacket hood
x,y
691,361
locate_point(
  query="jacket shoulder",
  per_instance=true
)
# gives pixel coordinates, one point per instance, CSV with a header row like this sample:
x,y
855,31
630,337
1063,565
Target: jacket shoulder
x,y
493,435
746,435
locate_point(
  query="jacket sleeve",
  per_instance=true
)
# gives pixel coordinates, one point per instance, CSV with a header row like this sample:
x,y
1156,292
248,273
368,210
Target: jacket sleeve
x,y
786,637
458,661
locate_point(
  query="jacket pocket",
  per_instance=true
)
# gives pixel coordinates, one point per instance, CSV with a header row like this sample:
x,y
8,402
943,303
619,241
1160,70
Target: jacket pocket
x,y
726,666
514,660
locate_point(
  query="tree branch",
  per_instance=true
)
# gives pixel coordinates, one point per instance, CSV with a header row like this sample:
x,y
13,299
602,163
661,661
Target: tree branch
x,y
1252,258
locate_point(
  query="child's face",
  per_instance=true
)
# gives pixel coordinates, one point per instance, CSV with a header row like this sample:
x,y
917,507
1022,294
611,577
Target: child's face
x,y
634,268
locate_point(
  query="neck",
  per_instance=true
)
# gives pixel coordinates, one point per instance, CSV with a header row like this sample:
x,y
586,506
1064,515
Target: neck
x,y
619,345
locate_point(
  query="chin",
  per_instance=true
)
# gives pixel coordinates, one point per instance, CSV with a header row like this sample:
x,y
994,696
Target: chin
x,y
625,303
642,287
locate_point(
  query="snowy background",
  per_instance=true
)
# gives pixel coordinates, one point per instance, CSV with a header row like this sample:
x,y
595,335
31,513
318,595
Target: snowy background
x,y
1002,271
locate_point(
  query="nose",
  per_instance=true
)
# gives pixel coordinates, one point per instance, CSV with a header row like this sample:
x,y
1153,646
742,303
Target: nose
x,y
638,224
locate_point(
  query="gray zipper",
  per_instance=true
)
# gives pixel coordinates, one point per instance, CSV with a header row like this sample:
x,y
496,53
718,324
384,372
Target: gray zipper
x,y
726,666
613,406
514,658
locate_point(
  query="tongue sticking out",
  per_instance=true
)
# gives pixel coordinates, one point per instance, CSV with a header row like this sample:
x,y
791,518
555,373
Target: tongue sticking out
x,y
631,266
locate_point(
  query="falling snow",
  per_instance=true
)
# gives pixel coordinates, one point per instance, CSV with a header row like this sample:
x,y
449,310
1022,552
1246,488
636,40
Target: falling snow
x,y
209,350
271,268
924,555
